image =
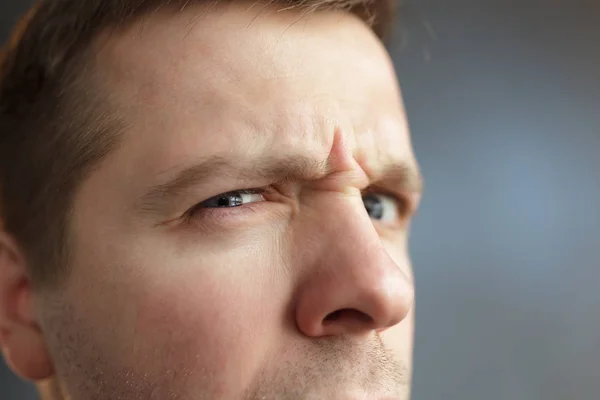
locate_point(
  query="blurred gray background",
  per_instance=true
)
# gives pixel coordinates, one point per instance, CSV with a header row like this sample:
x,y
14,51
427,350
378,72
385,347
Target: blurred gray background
x,y
504,102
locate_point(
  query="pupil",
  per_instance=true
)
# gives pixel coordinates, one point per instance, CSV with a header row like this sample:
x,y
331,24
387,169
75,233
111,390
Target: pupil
x,y
231,200
373,206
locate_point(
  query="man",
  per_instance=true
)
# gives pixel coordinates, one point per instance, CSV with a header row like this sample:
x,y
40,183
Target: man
x,y
206,200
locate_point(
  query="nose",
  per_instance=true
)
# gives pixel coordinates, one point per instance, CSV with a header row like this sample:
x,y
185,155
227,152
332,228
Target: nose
x,y
353,286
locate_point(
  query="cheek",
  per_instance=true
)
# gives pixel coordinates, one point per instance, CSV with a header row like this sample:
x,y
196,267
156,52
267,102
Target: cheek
x,y
207,311
217,314
186,314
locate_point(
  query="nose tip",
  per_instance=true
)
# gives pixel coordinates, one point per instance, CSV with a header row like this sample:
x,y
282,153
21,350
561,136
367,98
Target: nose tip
x,y
356,299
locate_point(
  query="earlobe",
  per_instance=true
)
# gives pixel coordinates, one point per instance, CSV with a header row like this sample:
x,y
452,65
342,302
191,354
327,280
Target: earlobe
x,y
26,353
21,338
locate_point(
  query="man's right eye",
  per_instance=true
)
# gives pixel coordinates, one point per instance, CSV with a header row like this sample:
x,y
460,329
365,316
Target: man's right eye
x,y
227,205
233,199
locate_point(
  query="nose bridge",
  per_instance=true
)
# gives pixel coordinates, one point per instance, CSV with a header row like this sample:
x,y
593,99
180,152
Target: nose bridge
x,y
350,226
352,273
344,235
350,239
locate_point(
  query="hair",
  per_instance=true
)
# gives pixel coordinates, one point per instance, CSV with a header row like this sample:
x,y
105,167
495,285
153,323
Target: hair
x,y
54,128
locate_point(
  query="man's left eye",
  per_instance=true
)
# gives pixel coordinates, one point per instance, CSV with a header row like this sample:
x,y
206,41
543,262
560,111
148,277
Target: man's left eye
x,y
233,199
382,207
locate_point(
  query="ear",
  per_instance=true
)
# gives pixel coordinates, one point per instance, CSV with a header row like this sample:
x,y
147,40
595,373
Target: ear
x,y
21,338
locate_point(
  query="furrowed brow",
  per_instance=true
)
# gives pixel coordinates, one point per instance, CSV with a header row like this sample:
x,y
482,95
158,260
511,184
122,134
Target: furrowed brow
x,y
272,169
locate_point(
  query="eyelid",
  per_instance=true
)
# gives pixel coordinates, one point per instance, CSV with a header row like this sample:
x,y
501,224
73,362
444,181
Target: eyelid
x,y
241,191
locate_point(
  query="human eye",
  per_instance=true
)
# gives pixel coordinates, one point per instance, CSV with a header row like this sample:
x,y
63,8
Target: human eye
x,y
236,198
382,207
224,206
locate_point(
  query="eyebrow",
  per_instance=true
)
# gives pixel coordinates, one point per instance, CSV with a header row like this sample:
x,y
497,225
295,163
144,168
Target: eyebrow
x,y
293,168
402,176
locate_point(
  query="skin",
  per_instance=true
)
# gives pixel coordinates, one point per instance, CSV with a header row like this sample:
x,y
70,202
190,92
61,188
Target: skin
x,y
299,293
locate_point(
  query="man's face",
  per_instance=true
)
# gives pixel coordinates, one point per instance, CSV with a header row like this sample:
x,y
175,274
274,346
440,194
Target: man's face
x,y
248,238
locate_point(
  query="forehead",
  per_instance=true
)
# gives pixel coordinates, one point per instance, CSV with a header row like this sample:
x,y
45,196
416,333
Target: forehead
x,y
238,82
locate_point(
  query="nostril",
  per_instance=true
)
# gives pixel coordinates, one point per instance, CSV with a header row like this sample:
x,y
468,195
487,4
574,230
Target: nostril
x,y
334,316
348,314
